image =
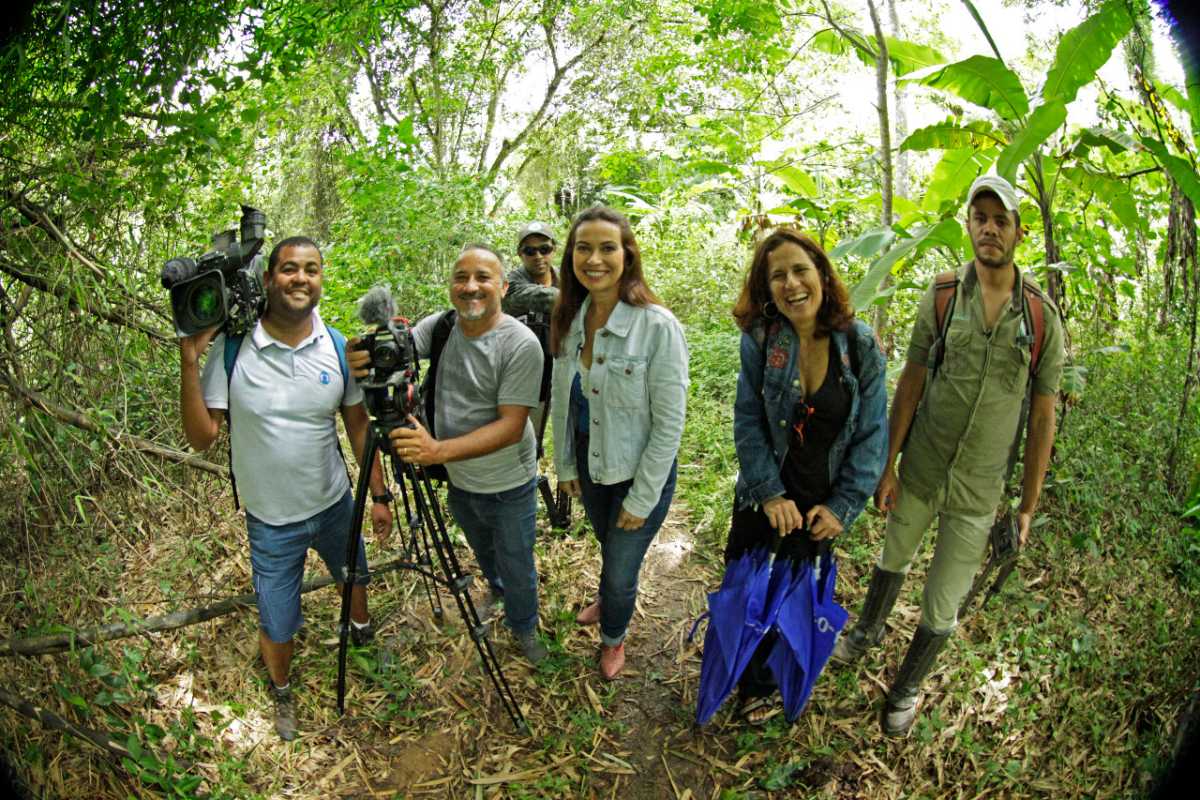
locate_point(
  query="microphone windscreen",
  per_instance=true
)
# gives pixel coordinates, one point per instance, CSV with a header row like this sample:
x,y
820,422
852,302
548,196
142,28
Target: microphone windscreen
x,y
376,307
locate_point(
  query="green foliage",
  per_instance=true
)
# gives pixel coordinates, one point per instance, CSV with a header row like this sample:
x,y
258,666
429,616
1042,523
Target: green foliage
x,y
1083,50
953,135
904,56
1044,121
981,80
945,232
952,176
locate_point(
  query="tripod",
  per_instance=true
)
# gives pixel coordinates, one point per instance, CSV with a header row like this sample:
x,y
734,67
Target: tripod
x,y
558,502
427,528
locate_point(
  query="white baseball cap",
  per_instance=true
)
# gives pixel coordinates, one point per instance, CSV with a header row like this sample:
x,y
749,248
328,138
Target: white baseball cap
x,y
997,186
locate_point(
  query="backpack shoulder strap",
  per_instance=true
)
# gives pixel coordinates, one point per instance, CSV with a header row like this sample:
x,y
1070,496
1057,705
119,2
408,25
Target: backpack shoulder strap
x,y
1034,309
339,346
437,343
945,290
758,331
233,346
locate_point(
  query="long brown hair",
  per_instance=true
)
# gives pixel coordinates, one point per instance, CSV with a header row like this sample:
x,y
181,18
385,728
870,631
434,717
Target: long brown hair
x,y
755,301
632,289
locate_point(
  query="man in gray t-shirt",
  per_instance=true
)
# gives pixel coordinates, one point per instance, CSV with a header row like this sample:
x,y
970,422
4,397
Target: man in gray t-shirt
x,y
488,375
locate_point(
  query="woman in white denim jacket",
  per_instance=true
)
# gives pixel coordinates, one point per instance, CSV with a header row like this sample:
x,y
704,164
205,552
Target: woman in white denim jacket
x,y
620,383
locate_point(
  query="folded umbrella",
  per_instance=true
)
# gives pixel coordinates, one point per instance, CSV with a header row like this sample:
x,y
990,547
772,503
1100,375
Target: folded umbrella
x,y
808,621
739,614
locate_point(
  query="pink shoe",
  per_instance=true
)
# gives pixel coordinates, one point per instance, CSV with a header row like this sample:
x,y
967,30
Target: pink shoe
x,y
612,661
589,615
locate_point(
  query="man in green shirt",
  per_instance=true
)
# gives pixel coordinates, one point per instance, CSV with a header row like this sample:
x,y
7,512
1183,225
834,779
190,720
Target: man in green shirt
x,y
956,424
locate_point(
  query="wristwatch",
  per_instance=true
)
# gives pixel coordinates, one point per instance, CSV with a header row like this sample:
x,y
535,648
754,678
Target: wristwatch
x,y
385,498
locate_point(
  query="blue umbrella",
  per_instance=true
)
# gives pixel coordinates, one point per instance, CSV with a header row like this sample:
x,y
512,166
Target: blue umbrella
x,y
808,622
740,613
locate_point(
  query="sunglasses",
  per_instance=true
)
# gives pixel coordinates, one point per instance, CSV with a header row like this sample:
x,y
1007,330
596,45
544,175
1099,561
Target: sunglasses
x,y
541,250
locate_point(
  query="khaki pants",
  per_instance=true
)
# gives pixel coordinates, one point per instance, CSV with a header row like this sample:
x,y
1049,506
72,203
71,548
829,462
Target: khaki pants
x,y
958,552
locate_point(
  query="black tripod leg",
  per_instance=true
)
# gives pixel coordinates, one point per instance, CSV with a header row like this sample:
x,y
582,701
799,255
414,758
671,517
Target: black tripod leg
x,y
417,548
558,503
361,492
459,584
547,496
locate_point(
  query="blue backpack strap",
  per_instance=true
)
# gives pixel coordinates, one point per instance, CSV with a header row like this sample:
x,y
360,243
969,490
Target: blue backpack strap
x,y
339,346
233,346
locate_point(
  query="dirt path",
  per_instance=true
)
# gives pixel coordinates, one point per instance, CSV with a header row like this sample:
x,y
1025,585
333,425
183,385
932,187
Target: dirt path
x,y
630,739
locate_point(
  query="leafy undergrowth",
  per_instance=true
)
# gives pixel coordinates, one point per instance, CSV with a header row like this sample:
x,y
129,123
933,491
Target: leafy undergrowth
x,y
1068,685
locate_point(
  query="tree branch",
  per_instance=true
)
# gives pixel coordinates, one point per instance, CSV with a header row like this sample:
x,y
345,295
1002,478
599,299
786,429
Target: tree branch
x,y
509,145
59,643
41,284
71,417
106,741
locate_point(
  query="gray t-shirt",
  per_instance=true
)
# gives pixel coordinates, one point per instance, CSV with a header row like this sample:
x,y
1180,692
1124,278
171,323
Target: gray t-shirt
x,y
503,367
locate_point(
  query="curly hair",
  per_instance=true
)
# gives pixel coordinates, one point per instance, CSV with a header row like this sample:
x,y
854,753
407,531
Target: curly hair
x,y
835,312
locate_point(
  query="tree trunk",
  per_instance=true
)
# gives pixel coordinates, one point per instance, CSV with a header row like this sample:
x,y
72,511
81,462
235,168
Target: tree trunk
x,y
885,146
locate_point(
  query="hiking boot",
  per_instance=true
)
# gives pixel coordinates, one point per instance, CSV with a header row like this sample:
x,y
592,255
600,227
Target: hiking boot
x,y
866,633
589,615
361,637
901,708
531,646
612,660
285,712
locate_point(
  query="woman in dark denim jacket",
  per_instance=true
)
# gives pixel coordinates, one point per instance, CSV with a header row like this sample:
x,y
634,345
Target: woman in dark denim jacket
x,y
810,420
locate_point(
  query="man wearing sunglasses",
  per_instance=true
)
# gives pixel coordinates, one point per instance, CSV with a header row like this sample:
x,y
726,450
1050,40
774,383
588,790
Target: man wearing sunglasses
x,y
532,292
533,286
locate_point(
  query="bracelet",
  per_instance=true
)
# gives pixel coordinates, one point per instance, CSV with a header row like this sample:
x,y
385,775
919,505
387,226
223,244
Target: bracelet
x,y
385,498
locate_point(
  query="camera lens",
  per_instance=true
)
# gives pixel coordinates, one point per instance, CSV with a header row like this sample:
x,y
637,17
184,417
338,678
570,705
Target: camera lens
x,y
203,304
204,301
386,355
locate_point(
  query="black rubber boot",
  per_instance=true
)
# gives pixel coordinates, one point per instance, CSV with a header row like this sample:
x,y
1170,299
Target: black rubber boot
x,y
901,707
866,633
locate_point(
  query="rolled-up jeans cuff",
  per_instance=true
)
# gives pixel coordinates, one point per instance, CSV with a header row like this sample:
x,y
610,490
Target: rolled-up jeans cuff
x,y
609,641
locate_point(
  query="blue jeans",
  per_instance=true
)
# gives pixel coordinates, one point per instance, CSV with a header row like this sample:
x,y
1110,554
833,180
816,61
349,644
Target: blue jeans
x,y
277,554
621,551
500,528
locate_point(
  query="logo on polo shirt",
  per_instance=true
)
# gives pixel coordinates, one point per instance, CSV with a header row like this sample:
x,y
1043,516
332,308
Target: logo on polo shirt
x,y
324,378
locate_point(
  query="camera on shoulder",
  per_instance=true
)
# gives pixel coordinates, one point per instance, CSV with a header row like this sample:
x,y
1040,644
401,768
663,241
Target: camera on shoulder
x,y
223,286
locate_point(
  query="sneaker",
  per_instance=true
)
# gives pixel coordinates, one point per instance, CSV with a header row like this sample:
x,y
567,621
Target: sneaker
x,y
285,712
361,637
531,646
612,661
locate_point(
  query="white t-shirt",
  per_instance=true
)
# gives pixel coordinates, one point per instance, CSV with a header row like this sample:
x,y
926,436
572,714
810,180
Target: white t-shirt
x,y
283,421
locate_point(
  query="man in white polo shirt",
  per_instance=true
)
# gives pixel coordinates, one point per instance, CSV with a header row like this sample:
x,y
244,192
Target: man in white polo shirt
x,y
282,399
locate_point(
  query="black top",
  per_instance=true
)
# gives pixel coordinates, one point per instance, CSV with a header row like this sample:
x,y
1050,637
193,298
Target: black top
x,y
816,423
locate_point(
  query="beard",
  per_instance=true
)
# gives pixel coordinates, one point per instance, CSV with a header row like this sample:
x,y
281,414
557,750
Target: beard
x,y
985,258
474,308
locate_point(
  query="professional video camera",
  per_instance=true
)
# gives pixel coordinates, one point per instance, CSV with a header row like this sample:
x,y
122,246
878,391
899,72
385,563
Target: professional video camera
x,y
391,388
222,287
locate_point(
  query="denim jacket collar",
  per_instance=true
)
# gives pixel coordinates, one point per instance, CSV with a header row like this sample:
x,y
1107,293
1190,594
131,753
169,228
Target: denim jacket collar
x,y
619,321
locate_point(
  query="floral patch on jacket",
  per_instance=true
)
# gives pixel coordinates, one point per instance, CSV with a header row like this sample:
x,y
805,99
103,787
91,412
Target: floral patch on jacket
x,y
777,356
